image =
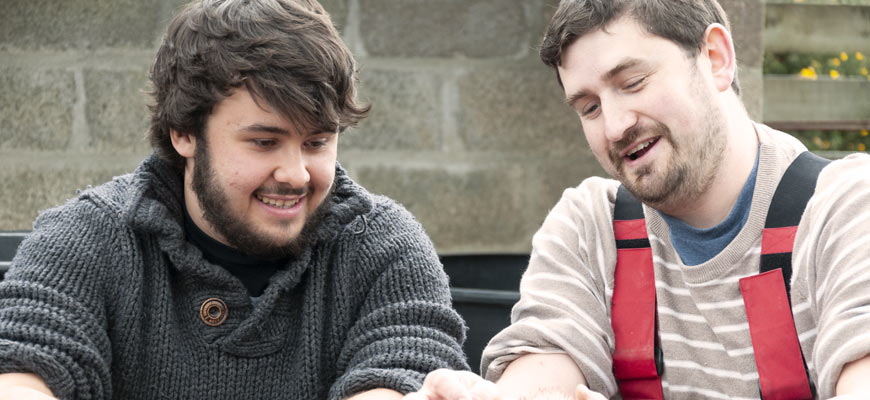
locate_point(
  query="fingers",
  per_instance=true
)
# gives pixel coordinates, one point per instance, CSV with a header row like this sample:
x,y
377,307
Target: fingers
x,y
583,393
450,385
416,396
443,384
485,390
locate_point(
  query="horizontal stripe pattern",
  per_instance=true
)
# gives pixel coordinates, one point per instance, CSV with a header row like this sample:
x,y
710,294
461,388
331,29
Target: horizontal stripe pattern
x,y
567,289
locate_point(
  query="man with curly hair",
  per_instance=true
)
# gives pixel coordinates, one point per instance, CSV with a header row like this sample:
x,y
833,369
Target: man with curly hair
x,y
239,261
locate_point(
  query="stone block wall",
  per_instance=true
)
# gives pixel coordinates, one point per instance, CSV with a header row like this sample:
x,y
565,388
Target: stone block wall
x,y
468,129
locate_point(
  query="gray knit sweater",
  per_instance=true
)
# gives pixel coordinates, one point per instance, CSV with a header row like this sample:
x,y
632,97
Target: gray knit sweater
x,y
103,301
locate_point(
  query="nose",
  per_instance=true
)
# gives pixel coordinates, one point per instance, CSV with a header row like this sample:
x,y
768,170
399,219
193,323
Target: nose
x,y
292,169
618,118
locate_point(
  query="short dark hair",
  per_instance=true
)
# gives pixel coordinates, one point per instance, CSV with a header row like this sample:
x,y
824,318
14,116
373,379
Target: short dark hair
x,y
680,21
285,52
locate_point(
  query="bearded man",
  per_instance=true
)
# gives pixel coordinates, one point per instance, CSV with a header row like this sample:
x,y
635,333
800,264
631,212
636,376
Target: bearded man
x,y
696,272
239,260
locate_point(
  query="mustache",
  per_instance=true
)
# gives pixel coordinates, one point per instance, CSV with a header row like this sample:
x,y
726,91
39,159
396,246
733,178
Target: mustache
x,y
282,190
632,134
628,137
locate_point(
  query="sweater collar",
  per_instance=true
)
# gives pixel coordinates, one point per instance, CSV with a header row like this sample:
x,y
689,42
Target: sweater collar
x,y
156,197
776,151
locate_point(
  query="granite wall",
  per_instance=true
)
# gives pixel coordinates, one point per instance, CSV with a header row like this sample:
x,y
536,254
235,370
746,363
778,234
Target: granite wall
x,y
468,129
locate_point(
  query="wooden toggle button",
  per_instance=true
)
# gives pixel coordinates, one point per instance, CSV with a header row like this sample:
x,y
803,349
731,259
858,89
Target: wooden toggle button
x,y
213,312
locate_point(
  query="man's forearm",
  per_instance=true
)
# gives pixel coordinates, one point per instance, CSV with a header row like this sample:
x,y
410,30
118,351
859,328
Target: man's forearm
x,y
855,377
541,376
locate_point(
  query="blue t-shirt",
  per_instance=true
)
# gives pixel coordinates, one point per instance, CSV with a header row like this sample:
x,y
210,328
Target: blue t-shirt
x,y
696,246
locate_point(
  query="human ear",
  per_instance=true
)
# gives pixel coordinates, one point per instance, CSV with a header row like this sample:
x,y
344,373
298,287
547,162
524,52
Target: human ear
x,y
719,49
184,143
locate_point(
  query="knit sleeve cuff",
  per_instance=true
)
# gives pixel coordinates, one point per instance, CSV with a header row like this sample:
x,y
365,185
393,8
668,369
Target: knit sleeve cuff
x,y
358,381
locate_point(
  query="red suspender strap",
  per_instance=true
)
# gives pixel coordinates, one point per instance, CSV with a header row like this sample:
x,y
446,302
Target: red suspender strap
x,y
637,360
634,325
777,240
781,372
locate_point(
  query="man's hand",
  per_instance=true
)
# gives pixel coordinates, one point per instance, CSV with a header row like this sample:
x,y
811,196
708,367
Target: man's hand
x,y
22,393
583,393
444,384
15,386
379,394
532,376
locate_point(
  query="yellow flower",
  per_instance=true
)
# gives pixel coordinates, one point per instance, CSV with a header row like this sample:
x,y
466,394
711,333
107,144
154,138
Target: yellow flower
x,y
826,144
817,141
835,62
864,132
816,64
835,74
864,71
862,147
859,56
808,73
844,56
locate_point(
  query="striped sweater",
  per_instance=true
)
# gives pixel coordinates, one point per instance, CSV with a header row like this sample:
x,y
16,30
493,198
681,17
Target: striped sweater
x,y
568,287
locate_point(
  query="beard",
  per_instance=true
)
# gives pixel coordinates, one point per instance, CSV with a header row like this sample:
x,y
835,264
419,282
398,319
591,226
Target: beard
x,y
242,234
693,165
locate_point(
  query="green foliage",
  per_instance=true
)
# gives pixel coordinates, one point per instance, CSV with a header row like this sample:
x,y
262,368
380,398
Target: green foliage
x,y
829,66
811,66
785,63
834,140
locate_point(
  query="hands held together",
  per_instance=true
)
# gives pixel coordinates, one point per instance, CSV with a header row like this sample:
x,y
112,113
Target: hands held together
x,y
445,384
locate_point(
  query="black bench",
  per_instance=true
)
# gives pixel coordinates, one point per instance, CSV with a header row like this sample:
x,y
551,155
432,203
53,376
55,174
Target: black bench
x,y
9,241
484,289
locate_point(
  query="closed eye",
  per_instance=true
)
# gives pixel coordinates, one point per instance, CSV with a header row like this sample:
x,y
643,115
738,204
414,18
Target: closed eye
x,y
264,143
317,143
636,84
589,110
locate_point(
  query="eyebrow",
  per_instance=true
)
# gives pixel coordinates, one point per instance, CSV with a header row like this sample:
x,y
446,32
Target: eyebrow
x,y
612,73
624,65
267,129
279,130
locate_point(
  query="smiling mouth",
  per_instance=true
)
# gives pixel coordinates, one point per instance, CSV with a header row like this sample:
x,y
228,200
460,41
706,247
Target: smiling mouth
x,y
641,149
283,204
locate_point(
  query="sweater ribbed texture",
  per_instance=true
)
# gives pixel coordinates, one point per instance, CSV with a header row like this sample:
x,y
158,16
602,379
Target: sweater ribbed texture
x,y
567,290
103,299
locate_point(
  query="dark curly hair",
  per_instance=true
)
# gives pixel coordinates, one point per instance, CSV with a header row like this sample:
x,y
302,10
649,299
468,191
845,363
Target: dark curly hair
x,y
285,52
680,21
